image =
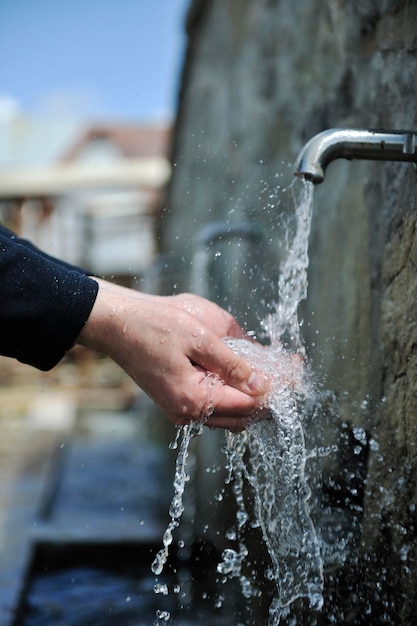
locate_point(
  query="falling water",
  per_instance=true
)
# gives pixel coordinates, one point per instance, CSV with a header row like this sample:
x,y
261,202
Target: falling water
x,y
292,282
177,507
275,472
271,455
276,448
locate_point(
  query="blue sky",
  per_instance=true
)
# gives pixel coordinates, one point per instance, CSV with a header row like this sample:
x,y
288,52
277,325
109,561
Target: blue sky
x,y
91,59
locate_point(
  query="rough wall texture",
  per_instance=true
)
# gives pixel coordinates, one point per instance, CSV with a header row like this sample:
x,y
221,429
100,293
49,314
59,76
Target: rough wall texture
x,y
262,77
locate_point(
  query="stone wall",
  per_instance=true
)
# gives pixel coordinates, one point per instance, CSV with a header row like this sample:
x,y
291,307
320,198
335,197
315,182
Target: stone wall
x,y
261,77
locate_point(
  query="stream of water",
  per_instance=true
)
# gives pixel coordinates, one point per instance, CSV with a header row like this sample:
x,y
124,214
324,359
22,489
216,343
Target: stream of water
x,y
270,455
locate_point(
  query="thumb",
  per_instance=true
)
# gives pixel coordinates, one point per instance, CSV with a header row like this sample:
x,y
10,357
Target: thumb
x,y
216,357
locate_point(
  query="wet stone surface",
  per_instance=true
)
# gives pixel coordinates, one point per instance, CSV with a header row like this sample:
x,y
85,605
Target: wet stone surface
x,y
113,586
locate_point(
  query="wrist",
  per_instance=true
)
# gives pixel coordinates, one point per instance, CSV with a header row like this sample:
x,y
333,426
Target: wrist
x,y
103,321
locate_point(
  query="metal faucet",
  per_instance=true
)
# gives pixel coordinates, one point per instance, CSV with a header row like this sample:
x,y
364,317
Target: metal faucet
x,y
354,143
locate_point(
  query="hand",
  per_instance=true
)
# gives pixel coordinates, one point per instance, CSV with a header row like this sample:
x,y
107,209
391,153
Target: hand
x,y
222,323
176,358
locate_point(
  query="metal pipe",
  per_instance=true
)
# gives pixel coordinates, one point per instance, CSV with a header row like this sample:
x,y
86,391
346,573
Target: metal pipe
x,y
351,143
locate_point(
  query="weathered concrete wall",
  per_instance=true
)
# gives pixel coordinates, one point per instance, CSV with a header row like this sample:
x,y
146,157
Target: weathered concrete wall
x,y
262,77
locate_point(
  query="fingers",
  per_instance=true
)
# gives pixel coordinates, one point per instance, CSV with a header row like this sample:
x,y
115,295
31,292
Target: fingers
x,y
234,329
218,405
228,401
238,424
214,356
235,424
220,321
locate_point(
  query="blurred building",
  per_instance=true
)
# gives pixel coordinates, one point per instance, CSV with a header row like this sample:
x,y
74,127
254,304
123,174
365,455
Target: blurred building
x,y
92,197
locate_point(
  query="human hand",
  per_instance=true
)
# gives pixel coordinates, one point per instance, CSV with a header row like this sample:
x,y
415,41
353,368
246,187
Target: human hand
x,y
177,359
222,323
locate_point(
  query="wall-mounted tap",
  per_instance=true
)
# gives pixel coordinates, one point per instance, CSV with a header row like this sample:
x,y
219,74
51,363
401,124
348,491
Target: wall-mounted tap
x,y
351,143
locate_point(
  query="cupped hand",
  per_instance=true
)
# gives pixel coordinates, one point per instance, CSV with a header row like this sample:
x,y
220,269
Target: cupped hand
x,y
171,347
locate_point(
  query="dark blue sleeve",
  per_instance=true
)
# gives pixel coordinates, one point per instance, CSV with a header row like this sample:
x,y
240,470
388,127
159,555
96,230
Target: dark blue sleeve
x,y
44,303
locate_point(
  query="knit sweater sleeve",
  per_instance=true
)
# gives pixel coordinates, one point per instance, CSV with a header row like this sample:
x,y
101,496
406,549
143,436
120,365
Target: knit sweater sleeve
x,y
44,303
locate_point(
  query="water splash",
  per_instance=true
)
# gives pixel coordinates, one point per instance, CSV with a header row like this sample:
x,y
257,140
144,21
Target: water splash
x,y
275,447
181,478
275,472
277,451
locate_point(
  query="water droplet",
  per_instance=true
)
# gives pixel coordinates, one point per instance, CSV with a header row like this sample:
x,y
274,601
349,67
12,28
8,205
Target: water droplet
x,y
162,616
161,588
219,602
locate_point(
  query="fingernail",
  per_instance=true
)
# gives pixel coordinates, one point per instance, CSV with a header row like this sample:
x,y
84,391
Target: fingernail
x,y
258,382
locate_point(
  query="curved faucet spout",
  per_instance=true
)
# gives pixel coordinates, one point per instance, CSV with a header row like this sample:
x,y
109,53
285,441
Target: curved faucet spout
x,y
351,143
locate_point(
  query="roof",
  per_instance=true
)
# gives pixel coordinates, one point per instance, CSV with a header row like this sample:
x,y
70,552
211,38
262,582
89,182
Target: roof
x,y
132,140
